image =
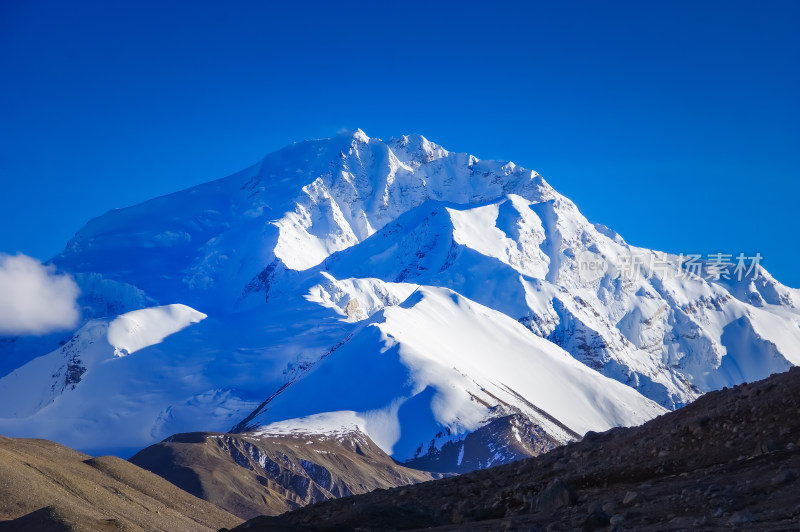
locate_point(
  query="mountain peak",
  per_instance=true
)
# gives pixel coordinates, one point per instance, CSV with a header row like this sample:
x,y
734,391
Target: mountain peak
x,y
417,147
358,135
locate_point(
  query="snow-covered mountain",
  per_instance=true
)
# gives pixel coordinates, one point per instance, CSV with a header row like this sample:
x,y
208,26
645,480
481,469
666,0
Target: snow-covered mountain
x,y
424,293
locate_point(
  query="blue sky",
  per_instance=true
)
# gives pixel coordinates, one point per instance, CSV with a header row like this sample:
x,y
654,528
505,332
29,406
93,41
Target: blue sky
x,y
675,123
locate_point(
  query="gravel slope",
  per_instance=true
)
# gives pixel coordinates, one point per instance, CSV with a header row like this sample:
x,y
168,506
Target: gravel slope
x,y
46,486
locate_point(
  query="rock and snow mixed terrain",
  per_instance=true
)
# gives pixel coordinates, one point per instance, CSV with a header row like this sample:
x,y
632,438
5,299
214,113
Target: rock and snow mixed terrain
x,y
440,361
420,294
729,461
254,474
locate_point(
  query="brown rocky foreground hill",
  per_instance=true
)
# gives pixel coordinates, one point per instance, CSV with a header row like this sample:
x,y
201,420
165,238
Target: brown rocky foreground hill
x,y
250,474
730,460
46,487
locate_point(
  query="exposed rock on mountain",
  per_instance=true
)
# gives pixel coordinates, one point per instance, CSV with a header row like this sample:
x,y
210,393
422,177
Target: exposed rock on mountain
x,y
730,460
502,440
252,474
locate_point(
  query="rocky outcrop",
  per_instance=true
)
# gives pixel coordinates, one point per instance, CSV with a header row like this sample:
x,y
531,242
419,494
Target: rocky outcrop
x,y
250,474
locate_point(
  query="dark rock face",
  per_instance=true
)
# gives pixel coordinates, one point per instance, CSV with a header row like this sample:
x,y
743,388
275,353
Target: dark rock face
x,y
730,460
502,440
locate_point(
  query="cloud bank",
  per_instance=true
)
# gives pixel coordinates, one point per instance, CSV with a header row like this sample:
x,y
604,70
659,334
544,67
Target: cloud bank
x,y
34,299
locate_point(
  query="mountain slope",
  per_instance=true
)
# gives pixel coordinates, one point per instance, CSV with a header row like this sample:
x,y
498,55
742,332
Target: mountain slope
x,y
271,472
326,246
85,387
46,486
730,460
434,361
663,335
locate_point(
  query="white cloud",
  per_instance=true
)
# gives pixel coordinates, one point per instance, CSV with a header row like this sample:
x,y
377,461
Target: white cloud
x,y
34,299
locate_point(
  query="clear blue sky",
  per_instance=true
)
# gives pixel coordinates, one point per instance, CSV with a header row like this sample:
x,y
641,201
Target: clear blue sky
x,y
675,123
